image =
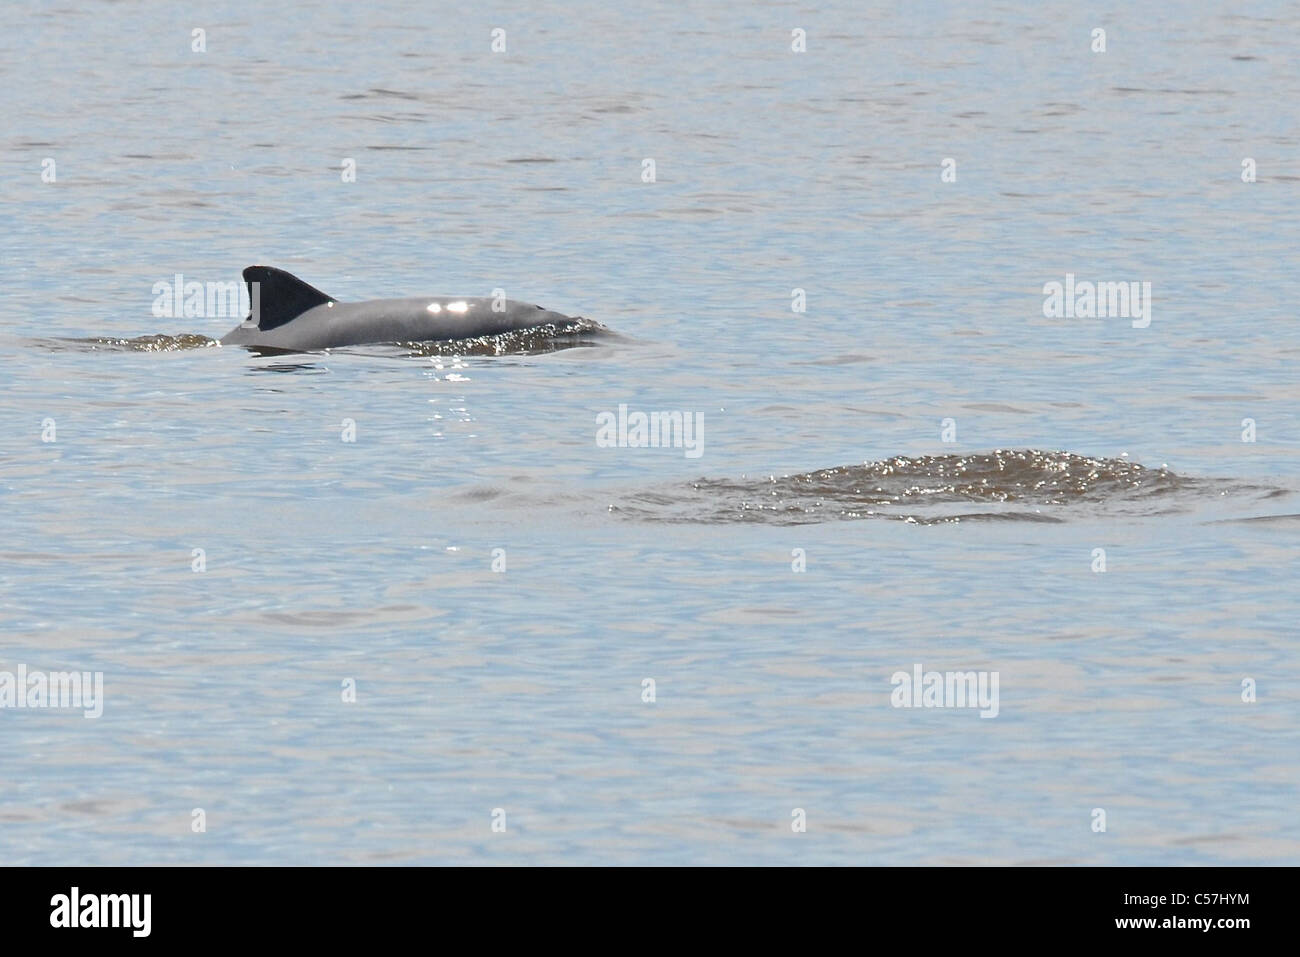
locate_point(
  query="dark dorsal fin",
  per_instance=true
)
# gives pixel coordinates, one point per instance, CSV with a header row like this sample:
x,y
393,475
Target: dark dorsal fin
x,y
279,296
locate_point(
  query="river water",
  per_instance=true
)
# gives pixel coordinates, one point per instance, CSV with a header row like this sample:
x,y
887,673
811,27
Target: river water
x,y
360,607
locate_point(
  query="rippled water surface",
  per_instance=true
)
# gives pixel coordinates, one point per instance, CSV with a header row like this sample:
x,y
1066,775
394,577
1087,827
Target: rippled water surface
x,y
443,529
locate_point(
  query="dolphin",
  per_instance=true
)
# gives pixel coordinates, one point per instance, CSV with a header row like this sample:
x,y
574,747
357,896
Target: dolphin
x,y
288,315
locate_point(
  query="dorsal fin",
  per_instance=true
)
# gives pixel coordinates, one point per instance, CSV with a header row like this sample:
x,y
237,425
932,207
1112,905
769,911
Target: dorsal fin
x,y
279,296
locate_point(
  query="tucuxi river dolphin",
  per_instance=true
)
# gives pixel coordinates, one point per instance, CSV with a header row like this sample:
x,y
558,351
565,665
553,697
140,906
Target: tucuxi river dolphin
x,y
289,315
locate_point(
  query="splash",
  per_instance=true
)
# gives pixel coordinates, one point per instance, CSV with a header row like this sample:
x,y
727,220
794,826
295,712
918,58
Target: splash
x,y
1006,484
534,341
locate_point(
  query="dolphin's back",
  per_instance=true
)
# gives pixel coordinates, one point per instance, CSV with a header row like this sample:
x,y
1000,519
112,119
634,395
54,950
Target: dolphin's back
x,y
289,314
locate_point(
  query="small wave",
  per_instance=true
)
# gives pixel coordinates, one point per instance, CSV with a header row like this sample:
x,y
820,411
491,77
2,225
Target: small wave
x,y
1003,485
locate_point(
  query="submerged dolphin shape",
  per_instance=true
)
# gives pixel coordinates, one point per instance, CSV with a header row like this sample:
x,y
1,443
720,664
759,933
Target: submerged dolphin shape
x,y
290,316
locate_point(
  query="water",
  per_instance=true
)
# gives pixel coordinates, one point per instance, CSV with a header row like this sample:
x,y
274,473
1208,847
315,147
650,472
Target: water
x,y
371,561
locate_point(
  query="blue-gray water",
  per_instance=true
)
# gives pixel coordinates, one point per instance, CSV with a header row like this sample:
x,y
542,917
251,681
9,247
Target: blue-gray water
x,y
372,561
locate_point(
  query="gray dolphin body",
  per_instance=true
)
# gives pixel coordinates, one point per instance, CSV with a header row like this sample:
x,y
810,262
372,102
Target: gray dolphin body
x,y
290,316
